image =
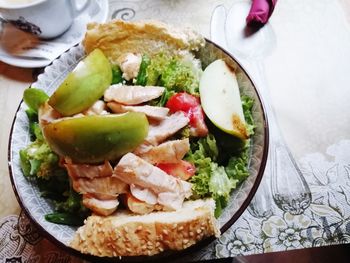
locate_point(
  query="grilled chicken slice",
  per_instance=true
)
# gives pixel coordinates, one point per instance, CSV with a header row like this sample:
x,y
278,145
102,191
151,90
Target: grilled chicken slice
x,y
166,200
153,112
129,63
137,206
104,196
167,152
98,108
88,170
132,95
103,185
47,114
101,207
131,169
144,194
159,132
170,200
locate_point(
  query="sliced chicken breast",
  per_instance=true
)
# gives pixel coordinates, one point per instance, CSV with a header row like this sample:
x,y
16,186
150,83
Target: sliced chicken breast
x,y
153,112
166,200
170,200
130,63
103,185
47,114
131,169
137,206
159,132
98,108
104,196
167,152
101,207
144,194
132,95
88,170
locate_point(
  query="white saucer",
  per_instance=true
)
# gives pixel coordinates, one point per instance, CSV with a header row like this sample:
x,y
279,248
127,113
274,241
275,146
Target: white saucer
x,y
96,12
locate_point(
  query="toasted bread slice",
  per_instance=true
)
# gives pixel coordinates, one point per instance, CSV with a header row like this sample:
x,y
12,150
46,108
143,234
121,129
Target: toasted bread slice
x,y
126,234
118,37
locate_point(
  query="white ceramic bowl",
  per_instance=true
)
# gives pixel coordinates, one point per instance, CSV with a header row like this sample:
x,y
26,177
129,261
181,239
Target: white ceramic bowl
x,y
36,207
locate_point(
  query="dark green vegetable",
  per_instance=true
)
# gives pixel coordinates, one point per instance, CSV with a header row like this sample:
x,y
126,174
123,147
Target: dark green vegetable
x,y
237,166
32,115
117,75
34,128
34,98
160,102
247,104
141,78
72,204
70,211
56,187
228,145
71,219
220,203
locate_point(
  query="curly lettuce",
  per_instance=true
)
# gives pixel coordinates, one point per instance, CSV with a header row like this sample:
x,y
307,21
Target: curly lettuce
x,y
247,104
37,159
210,178
175,73
41,165
221,161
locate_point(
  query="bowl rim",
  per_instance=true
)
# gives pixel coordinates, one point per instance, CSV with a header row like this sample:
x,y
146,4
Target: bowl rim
x,y
163,255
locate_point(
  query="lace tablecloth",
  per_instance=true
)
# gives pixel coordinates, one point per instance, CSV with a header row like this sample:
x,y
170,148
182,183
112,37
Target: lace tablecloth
x,y
301,64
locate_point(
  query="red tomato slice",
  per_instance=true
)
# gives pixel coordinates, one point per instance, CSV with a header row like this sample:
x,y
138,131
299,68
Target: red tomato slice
x,y
183,169
190,105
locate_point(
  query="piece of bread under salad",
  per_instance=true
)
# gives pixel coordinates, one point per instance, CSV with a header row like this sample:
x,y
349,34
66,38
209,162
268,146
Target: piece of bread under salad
x,y
127,125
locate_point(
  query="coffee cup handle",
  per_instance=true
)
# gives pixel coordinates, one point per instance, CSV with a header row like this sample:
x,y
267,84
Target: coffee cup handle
x,y
78,10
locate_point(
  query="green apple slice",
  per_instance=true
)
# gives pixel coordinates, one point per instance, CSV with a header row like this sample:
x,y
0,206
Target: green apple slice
x,y
84,85
221,100
93,139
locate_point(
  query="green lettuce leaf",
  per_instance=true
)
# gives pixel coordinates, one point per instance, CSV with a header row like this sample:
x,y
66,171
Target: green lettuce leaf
x,y
174,73
220,184
220,187
247,104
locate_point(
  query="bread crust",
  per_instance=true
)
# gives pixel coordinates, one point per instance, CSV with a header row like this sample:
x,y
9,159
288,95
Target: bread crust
x,y
126,234
149,37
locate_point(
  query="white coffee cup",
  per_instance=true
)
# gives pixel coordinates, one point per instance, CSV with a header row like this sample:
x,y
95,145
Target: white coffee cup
x,y
44,18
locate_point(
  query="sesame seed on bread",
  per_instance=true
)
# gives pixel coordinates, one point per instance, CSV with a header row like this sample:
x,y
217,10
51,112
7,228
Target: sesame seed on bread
x,y
127,234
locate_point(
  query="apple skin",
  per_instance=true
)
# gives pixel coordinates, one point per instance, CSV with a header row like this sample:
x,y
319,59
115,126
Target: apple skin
x,y
94,139
221,100
83,86
34,98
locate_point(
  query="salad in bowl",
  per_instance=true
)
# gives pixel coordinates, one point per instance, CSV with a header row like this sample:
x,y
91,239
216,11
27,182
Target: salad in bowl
x,y
152,139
